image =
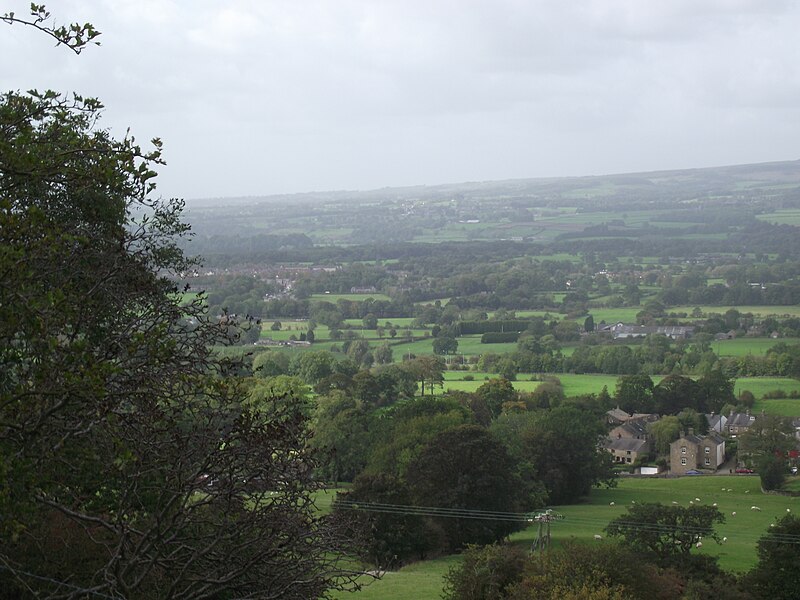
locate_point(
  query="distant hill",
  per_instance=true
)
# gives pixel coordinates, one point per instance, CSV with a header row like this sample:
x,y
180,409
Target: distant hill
x,y
685,182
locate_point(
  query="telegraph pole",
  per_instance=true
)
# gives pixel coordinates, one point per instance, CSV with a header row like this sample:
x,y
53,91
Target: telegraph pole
x,y
542,541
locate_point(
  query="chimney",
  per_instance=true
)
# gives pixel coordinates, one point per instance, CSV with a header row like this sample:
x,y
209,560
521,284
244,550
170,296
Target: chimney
x,y
691,430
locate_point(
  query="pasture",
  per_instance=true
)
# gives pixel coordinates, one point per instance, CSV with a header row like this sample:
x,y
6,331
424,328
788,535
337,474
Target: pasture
x,y
789,216
744,346
761,385
584,521
574,384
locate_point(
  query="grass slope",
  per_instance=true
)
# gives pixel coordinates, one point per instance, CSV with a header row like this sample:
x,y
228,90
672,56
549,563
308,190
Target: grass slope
x,y
584,521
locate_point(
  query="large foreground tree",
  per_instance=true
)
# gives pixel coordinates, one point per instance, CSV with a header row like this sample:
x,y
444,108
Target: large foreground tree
x,y
130,463
666,533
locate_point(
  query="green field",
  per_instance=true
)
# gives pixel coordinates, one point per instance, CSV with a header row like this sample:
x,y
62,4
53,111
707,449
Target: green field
x,y
787,407
574,385
787,216
584,521
742,530
761,385
420,580
744,346
615,315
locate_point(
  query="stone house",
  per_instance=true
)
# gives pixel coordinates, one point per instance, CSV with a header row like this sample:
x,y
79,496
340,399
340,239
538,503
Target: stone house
x,y
629,440
694,452
739,423
627,450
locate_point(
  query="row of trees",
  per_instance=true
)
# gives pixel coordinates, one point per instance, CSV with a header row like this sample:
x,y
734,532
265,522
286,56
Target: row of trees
x,y
654,355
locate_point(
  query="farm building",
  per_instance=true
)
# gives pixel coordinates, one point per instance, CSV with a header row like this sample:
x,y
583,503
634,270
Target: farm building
x,y
622,331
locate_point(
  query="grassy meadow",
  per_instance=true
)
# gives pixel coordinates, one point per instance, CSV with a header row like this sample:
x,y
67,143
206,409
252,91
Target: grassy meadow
x,y
733,494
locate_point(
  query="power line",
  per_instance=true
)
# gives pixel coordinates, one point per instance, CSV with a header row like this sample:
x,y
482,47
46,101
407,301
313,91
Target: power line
x,y
432,511
531,517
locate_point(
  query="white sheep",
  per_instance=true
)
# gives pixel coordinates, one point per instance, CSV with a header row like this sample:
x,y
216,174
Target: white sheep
x,y
733,514
698,545
714,504
755,508
674,502
697,499
788,510
598,537
691,501
611,504
724,539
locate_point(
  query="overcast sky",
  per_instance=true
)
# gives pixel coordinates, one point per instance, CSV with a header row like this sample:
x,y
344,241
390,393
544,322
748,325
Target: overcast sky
x,y
255,97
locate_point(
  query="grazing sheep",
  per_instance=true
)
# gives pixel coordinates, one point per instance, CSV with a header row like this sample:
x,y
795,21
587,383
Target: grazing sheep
x,y
715,504
724,539
788,510
730,490
598,537
698,545
691,501
674,502
755,508
772,524
697,499
733,514
611,504
747,491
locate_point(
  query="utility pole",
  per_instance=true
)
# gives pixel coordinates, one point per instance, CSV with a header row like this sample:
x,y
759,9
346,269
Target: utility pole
x,y
542,541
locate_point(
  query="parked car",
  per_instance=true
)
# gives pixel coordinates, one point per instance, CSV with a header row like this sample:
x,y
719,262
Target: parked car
x,y
693,472
744,470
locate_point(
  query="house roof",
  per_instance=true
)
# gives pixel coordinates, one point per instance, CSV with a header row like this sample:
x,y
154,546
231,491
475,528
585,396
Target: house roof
x,y
618,414
712,436
625,444
635,427
648,417
716,422
621,329
740,420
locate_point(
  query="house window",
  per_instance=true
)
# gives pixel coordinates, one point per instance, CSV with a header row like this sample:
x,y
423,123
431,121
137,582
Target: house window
x,y
708,450
683,449
708,461
628,460
683,462
629,452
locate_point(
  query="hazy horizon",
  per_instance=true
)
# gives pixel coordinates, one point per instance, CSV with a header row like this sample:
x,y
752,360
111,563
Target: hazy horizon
x,y
267,98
